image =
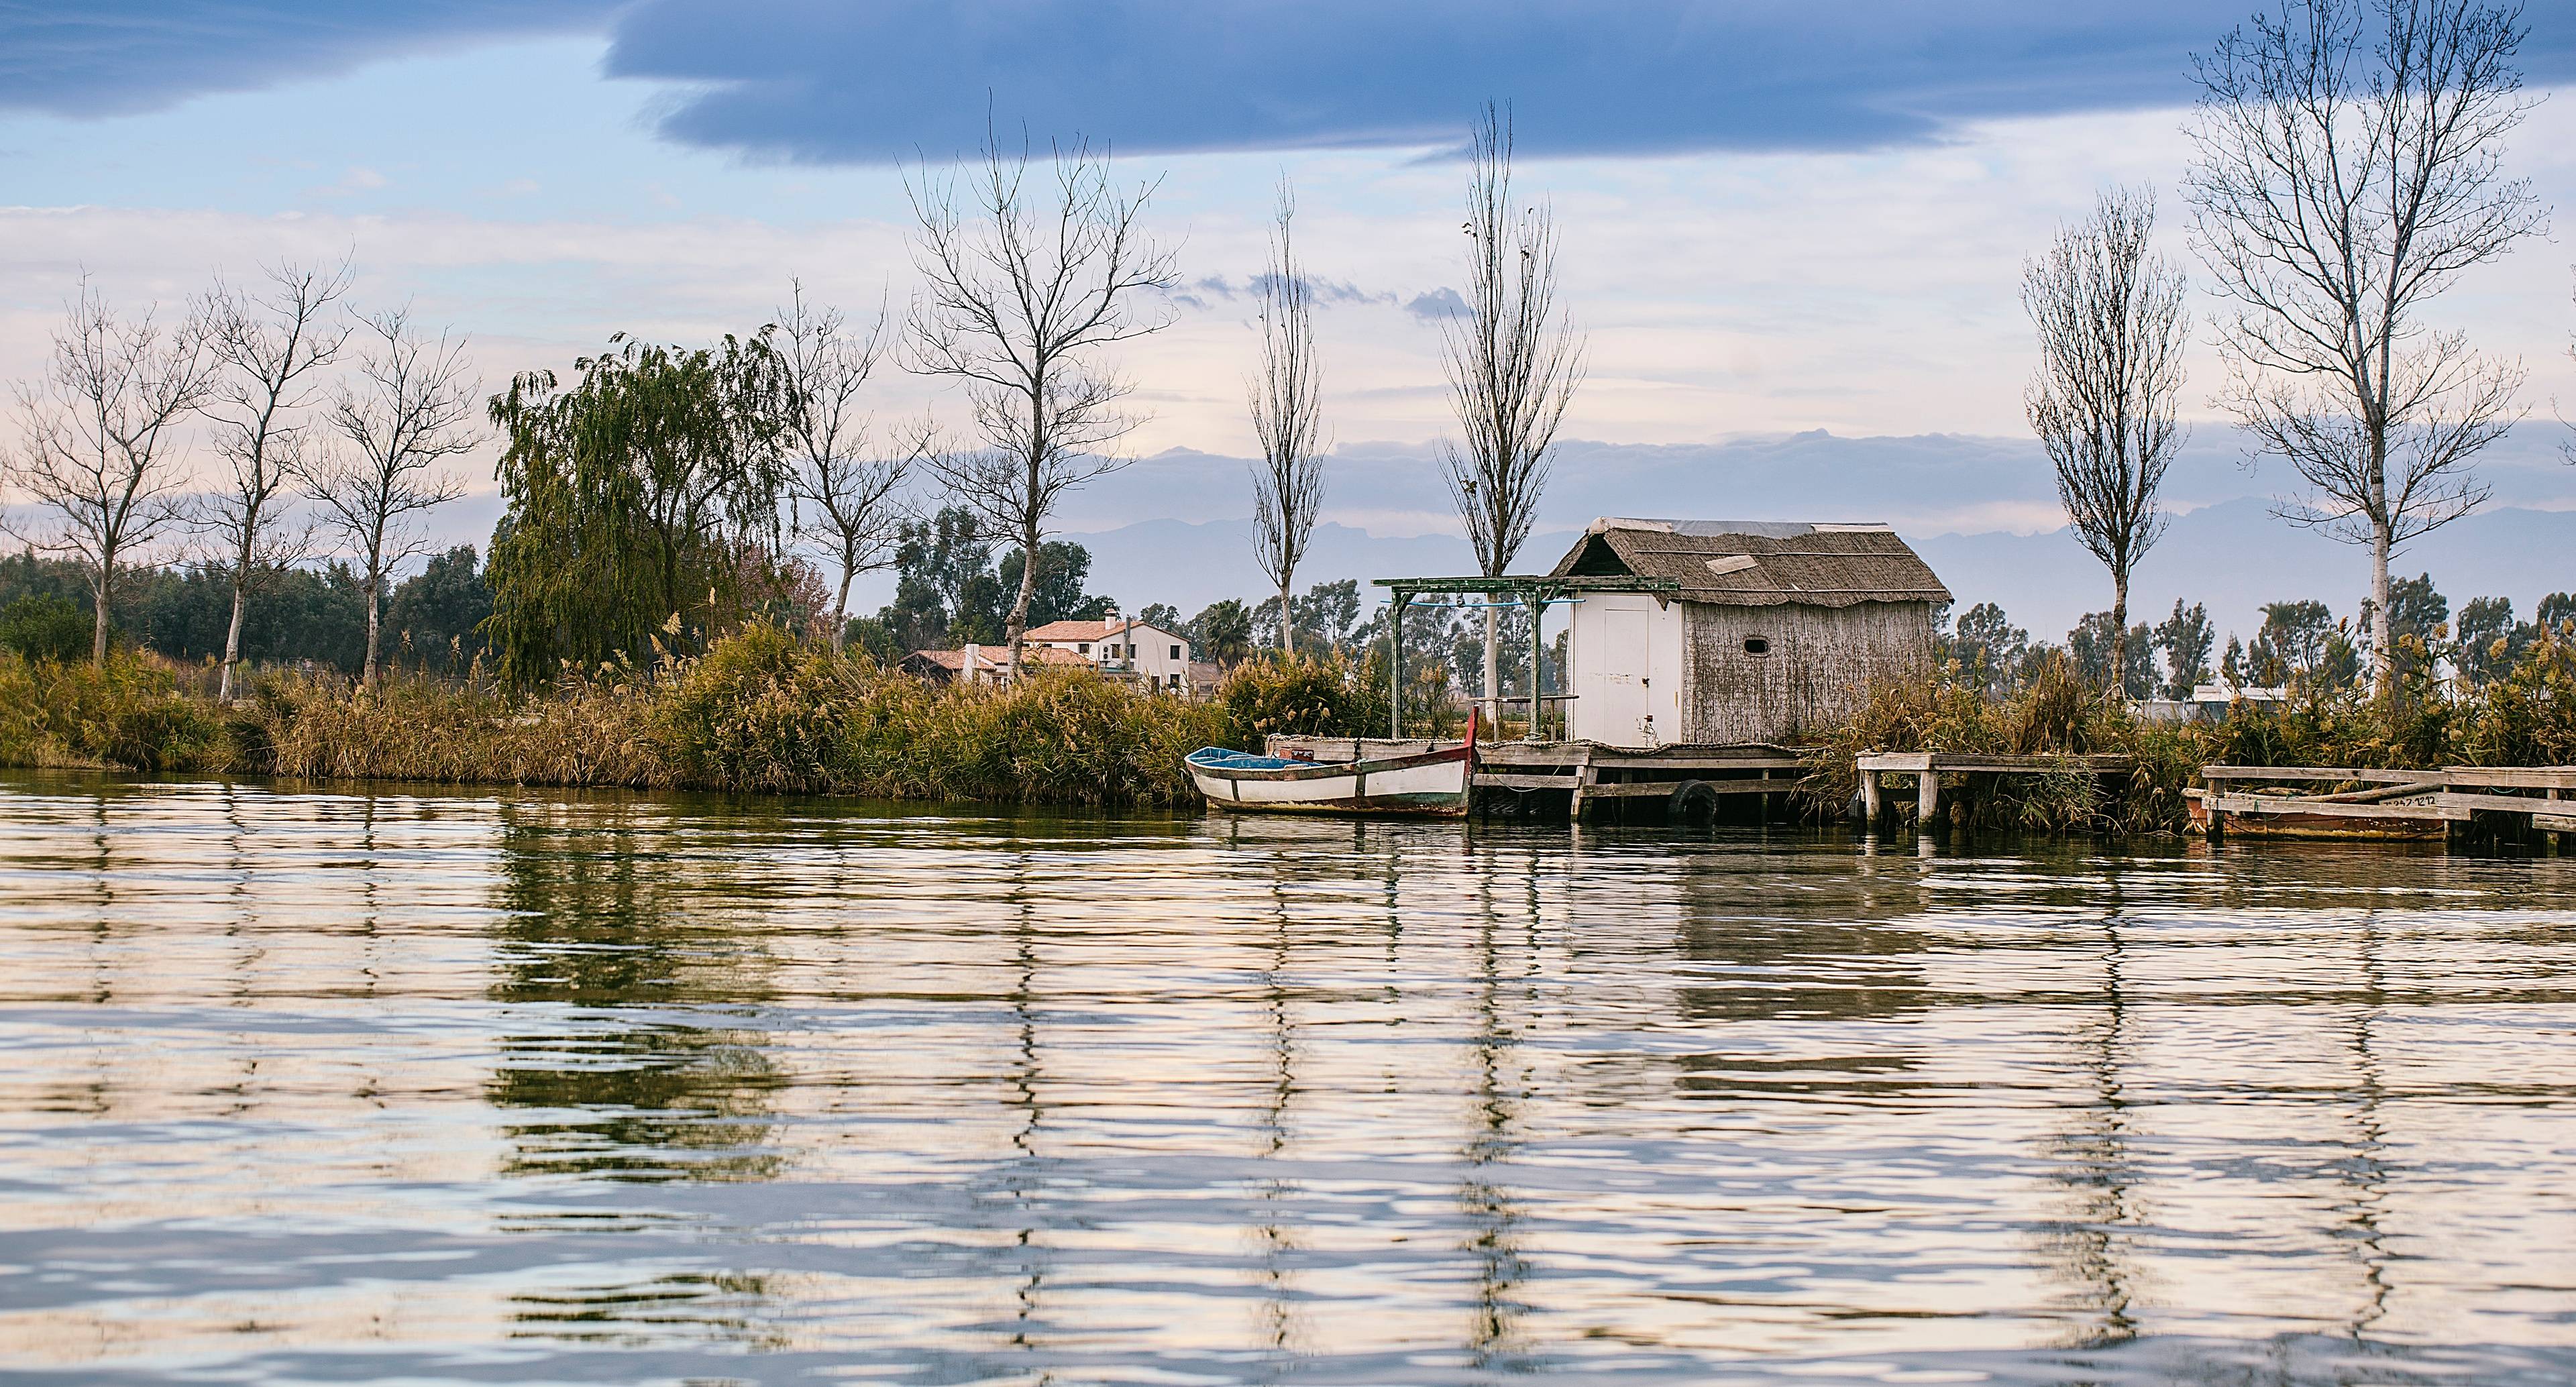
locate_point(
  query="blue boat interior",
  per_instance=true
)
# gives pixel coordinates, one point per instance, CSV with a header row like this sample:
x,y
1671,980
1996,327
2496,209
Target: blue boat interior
x,y
1217,758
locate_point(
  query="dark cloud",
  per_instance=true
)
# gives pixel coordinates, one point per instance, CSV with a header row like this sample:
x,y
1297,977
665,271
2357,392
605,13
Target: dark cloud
x,y
114,57
884,79
869,81
1439,303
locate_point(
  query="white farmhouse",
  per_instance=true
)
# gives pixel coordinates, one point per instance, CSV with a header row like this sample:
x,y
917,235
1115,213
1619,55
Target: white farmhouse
x,y
1122,649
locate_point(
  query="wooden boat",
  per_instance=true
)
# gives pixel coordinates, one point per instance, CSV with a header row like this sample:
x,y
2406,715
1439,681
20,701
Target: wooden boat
x,y
1422,782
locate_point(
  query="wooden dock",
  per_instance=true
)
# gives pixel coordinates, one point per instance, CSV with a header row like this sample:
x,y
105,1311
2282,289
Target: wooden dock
x,y
1580,778
1932,769
2310,801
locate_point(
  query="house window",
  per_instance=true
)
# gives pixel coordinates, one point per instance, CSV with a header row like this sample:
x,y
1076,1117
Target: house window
x,y
1131,652
1176,652
1756,645
1176,681
1083,649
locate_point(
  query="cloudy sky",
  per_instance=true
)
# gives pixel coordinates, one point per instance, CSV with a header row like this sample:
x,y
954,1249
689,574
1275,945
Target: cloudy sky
x,y
1778,218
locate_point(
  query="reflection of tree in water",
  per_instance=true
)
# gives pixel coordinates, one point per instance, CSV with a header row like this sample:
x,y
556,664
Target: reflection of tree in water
x,y
602,929
2365,1174
1024,1178
725,1307
2090,1246
641,1081
1501,1086
1767,954
1277,1193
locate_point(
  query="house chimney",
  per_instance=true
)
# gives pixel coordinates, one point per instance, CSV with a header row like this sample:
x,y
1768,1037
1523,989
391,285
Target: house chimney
x,y
974,661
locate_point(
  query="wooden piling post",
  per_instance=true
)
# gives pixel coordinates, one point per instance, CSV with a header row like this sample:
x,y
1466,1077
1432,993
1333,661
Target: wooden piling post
x,y
1395,667
1927,797
1873,808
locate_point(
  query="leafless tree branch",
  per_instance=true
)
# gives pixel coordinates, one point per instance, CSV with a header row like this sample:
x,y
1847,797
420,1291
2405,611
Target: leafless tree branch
x,y
2112,331
411,407
2349,169
1513,364
1287,399
268,344
102,442
1025,291
847,493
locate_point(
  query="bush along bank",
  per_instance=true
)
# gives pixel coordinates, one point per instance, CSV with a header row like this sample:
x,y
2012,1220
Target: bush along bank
x,y
759,712
2524,717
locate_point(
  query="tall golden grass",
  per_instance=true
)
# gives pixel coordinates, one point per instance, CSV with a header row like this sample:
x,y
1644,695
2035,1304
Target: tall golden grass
x,y
761,712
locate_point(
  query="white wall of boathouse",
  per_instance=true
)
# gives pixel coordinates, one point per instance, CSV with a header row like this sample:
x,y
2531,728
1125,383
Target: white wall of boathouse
x,y
1627,661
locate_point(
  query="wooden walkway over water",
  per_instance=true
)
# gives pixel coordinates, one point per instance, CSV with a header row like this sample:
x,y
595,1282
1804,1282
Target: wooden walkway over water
x,y
2531,804
2312,801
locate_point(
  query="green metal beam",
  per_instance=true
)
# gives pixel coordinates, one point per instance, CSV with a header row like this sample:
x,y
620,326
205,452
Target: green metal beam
x,y
1520,583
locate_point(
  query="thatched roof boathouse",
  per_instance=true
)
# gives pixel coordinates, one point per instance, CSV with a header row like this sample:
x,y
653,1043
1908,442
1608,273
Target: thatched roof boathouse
x,y
1760,628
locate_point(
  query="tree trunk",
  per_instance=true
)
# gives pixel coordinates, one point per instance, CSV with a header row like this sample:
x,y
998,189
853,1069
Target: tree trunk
x,y
1287,625
2383,663
1493,667
2382,537
2120,634
99,593
375,623
841,608
1018,624
232,636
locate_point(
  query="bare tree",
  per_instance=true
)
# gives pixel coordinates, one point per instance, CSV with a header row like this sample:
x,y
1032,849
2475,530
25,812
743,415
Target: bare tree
x,y
268,343
1026,290
2349,169
1513,364
1287,398
410,408
848,496
102,446
2112,332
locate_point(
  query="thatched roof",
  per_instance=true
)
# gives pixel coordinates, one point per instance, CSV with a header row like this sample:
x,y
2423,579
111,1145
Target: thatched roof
x,y
1759,563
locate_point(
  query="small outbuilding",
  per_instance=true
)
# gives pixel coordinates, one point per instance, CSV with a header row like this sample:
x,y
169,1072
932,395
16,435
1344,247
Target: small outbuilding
x,y
1758,629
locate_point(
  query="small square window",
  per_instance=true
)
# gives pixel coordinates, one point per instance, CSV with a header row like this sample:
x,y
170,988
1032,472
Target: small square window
x,y
1176,652
1756,645
1083,649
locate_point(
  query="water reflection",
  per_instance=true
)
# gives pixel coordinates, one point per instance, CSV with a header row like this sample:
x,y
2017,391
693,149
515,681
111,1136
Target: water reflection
x,y
442,1088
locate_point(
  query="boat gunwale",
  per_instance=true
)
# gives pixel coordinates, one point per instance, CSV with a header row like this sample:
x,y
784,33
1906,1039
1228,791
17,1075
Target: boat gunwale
x,y
1321,770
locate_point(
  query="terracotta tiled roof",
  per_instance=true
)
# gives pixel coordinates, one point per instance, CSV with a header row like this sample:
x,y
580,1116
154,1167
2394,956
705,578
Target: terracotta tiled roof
x,y
1760,563
1076,630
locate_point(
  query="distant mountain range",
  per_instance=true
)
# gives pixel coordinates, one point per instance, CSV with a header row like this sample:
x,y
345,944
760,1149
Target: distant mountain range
x,y
2232,557
1983,511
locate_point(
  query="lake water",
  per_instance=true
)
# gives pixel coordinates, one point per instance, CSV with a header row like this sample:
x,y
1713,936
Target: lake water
x,y
335,1087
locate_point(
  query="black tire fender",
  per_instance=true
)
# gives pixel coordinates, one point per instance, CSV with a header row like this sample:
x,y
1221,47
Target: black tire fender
x,y
1694,802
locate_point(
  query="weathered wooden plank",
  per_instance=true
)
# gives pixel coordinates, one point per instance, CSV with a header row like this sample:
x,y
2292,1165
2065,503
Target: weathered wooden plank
x,y
2499,804
2555,823
1490,780
2218,773
2513,777
1576,753
2297,806
1917,762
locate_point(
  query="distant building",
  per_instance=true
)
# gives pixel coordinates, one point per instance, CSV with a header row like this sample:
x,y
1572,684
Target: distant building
x,y
980,664
2208,703
1122,649
1775,627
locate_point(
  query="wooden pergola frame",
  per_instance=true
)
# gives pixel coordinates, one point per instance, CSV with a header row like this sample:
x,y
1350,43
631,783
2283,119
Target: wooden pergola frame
x,y
1534,591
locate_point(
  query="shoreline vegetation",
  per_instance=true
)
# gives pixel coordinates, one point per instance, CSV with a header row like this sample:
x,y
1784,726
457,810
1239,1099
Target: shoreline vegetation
x,y
764,711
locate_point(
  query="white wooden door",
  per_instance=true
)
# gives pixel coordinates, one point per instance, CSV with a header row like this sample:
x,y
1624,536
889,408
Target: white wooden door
x,y
1613,696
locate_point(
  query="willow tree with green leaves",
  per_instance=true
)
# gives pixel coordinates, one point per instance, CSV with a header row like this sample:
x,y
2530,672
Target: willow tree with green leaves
x,y
644,504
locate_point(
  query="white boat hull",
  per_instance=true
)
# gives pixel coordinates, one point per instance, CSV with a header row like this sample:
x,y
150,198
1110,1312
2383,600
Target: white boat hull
x,y
1431,783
